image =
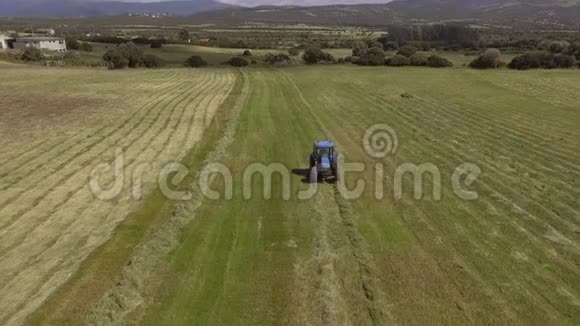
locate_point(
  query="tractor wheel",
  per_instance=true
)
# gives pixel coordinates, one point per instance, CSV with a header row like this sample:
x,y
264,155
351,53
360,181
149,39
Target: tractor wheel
x,y
314,175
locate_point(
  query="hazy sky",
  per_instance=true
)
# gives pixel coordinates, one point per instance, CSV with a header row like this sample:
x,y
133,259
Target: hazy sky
x,y
270,2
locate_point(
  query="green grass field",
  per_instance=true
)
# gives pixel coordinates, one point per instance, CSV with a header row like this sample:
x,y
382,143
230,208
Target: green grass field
x,y
512,256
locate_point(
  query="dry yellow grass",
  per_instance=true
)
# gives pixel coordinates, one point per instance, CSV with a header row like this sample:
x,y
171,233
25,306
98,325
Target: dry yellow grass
x,y
56,128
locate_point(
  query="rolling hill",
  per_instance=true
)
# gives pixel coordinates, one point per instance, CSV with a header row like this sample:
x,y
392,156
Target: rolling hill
x,y
543,14
79,8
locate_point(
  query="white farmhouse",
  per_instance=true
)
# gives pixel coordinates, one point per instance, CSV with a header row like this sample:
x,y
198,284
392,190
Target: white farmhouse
x,y
43,43
4,42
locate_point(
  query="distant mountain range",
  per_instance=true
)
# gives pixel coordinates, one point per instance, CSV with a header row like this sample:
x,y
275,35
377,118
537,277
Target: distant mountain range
x,y
540,14
80,8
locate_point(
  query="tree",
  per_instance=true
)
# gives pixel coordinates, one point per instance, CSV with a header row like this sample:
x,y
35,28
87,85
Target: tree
x,y
125,55
490,59
132,53
542,59
313,55
359,48
247,53
184,35
407,50
72,43
195,61
115,59
374,56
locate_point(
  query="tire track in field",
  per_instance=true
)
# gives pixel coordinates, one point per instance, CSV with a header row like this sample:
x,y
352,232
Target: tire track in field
x,y
476,277
174,118
128,161
529,163
548,257
466,129
367,293
127,295
442,236
563,161
161,82
429,103
465,158
495,168
85,150
92,135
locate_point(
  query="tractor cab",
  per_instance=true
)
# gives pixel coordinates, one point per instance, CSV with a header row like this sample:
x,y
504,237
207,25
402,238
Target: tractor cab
x,y
324,153
323,162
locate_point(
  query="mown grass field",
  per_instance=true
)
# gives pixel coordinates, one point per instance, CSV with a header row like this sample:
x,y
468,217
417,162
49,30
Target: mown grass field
x,y
510,257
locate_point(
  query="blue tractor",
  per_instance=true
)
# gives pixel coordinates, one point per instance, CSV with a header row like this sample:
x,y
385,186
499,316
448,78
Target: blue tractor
x,y
323,161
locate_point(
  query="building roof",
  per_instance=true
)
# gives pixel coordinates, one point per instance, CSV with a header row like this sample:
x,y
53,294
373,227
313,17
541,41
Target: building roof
x,y
39,38
324,144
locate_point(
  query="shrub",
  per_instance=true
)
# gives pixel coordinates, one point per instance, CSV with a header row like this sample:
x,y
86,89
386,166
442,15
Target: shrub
x,y
277,59
156,44
314,55
247,53
565,61
436,61
86,47
238,62
490,59
115,60
542,59
151,61
558,46
294,52
184,35
418,60
391,46
124,55
398,61
407,50
31,55
374,56
377,45
195,61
